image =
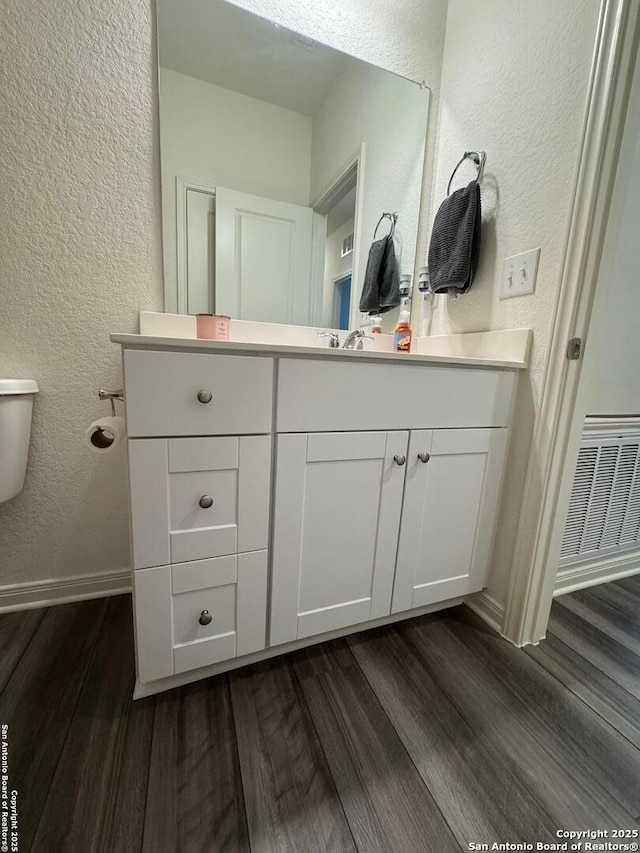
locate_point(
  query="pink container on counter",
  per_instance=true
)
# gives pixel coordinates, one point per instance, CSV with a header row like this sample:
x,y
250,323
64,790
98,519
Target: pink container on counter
x,y
215,327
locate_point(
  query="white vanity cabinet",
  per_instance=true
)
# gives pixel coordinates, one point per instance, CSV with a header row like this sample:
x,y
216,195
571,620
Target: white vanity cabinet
x,y
275,499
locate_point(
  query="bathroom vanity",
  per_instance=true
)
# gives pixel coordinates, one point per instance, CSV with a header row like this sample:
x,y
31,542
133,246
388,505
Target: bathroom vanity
x,y
283,493
281,496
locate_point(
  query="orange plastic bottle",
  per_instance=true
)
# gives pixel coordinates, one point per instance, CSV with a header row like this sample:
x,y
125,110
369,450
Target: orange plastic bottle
x,y
403,333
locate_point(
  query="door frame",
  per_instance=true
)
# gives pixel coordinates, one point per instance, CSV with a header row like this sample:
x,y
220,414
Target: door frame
x,y
183,185
556,439
320,202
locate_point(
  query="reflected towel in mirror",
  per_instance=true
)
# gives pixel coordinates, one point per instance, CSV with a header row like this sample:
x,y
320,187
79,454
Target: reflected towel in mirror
x,y
381,289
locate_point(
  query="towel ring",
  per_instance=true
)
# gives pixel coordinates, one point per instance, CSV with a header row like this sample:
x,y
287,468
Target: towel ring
x,y
393,217
477,157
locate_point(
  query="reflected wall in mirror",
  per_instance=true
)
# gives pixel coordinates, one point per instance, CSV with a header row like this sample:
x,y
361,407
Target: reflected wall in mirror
x,y
279,155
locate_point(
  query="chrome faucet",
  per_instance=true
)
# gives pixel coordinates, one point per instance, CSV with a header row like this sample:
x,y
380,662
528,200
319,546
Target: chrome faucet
x,y
334,340
354,339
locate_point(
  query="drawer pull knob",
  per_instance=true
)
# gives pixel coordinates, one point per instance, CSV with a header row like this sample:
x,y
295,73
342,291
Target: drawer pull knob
x,y
205,618
204,396
206,502
399,459
424,457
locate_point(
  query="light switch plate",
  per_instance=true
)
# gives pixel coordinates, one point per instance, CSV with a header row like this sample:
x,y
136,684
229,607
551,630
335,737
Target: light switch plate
x,y
519,274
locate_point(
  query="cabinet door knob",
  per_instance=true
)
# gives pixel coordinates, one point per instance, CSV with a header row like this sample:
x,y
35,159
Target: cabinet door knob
x,y
424,457
399,459
205,618
206,502
204,396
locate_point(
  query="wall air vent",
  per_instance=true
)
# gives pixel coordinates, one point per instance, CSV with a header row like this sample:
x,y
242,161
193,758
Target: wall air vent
x,y
604,512
347,246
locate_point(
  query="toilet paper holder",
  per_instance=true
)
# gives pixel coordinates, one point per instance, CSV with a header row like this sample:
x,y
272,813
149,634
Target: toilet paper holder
x,y
112,396
103,437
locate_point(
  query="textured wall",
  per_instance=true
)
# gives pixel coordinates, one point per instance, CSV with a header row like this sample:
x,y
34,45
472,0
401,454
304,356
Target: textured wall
x,y
514,83
79,256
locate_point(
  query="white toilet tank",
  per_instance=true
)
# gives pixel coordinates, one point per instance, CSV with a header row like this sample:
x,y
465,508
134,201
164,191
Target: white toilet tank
x,y
16,404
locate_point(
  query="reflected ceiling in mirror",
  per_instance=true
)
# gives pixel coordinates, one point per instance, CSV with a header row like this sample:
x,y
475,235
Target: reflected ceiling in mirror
x,y
279,155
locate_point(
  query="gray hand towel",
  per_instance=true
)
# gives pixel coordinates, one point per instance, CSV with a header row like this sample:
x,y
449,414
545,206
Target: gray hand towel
x,y
454,250
381,289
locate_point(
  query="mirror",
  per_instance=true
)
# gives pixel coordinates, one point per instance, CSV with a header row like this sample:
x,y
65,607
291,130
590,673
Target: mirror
x,y
279,157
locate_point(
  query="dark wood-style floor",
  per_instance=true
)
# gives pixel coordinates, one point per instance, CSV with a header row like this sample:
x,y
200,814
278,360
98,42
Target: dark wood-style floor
x,y
424,736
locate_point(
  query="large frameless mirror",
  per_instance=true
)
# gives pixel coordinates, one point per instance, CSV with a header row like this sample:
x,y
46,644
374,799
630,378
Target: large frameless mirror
x,y
279,157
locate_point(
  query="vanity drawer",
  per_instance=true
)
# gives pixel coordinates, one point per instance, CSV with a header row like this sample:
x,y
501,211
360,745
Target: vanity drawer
x,y
193,498
162,391
332,396
199,613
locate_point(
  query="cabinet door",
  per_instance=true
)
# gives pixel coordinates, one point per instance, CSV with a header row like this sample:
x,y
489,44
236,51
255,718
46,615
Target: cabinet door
x,y
336,519
193,498
448,514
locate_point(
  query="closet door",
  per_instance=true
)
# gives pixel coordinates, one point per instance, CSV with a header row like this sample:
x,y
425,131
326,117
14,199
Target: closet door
x,y
450,501
336,518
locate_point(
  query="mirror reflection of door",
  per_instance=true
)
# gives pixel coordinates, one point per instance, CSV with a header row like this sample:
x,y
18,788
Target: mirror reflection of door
x,y
263,258
247,256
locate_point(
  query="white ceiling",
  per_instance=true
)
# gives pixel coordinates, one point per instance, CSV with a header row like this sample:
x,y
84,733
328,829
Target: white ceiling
x,y
217,42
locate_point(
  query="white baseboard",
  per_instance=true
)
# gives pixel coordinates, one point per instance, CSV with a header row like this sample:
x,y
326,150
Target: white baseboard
x,y
604,570
28,596
488,609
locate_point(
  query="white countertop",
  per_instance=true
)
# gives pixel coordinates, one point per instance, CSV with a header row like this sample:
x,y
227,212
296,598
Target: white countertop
x,y
285,350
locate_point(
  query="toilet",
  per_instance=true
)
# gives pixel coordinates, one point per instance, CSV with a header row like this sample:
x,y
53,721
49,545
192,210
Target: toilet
x,y
16,404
